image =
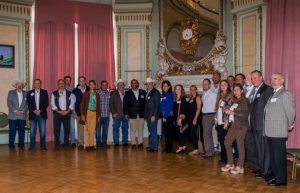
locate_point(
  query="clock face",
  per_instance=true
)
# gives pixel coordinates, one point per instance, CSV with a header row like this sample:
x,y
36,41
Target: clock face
x,y
187,34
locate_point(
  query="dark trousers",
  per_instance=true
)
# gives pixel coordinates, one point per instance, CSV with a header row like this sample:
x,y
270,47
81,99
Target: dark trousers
x,y
168,128
14,126
57,121
194,133
251,155
221,138
181,136
262,152
277,147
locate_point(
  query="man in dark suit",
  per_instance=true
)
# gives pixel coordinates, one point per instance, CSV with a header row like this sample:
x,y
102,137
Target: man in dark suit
x,y
37,102
258,98
116,108
152,113
134,110
279,120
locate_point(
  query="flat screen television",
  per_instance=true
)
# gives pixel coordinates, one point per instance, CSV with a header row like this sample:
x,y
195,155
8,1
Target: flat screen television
x,y
7,56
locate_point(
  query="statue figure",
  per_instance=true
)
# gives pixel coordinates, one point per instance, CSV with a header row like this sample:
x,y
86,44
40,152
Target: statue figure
x,y
161,60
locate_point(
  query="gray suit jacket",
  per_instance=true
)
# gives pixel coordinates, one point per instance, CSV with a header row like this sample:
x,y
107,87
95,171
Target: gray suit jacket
x,y
13,105
279,114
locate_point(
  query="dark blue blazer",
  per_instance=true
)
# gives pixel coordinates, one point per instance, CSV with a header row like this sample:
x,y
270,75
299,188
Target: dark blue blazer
x,y
44,103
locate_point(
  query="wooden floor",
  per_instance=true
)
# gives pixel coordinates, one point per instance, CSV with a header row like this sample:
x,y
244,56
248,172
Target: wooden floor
x,y
122,170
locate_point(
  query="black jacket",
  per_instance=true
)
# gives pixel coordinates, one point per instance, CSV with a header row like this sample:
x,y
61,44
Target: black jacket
x,y
44,103
133,107
152,104
79,95
257,107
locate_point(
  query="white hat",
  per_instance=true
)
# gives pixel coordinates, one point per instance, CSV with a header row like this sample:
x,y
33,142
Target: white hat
x,y
149,80
18,81
119,81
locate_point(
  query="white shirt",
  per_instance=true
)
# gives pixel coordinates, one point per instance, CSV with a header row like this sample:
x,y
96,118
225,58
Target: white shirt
x,y
82,89
248,90
214,88
220,113
255,92
209,102
62,101
277,89
121,95
136,94
20,97
37,98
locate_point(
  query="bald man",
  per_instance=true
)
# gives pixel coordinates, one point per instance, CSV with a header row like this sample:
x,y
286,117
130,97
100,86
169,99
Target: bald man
x,y
279,120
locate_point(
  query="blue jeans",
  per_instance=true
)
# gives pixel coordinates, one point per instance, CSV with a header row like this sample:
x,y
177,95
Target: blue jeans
x,y
14,126
152,128
62,135
72,129
102,131
41,122
116,126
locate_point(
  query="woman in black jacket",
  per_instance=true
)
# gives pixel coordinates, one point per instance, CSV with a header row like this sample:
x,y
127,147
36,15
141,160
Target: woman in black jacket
x,y
180,107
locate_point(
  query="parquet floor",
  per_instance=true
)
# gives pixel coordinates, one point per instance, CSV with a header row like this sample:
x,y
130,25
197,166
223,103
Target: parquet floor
x,y
122,170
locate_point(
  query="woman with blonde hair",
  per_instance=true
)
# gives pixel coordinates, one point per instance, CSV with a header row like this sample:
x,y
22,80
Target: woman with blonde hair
x,y
193,114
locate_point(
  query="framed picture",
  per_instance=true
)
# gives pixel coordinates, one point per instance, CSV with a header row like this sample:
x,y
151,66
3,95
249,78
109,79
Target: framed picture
x,y
7,56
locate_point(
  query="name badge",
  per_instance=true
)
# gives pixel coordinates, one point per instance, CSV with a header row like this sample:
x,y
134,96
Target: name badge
x,y
273,100
178,102
234,106
32,94
191,101
142,96
258,95
164,98
148,98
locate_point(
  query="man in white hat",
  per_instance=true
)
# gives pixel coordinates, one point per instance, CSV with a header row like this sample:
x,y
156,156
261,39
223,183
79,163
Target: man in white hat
x,y
116,108
17,111
152,112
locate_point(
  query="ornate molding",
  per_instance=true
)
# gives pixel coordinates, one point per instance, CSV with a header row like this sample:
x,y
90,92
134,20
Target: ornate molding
x,y
27,69
119,52
148,51
15,10
240,5
260,38
214,60
133,14
234,18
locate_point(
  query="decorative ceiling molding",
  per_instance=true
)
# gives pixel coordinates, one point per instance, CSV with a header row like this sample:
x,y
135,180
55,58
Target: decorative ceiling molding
x,y
15,10
133,14
132,8
241,5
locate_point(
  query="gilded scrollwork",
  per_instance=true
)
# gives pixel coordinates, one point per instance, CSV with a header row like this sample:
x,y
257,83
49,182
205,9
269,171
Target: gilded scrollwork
x,y
215,60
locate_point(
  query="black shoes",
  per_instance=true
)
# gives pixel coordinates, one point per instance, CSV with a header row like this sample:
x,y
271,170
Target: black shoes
x,y
274,183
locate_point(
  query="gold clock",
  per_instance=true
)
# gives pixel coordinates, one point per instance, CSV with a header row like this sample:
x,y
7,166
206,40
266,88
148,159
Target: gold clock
x,y
189,35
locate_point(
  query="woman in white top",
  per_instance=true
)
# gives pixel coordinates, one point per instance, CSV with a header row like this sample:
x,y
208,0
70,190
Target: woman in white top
x,y
223,101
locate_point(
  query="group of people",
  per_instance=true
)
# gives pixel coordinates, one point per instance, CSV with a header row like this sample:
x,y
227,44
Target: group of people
x,y
252,119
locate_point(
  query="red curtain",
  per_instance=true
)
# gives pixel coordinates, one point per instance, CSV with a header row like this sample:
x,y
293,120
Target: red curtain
x,y
54,43
95,41
54,57
283,50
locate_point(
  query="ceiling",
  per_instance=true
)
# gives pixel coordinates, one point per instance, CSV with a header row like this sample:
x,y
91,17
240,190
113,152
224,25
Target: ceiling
x,y
30,2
